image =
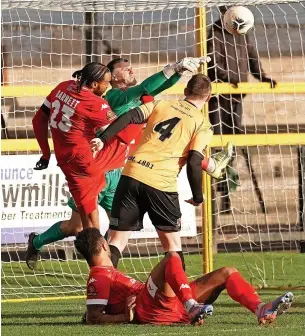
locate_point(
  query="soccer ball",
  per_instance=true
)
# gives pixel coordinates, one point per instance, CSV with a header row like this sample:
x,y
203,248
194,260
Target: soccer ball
x,y
238,20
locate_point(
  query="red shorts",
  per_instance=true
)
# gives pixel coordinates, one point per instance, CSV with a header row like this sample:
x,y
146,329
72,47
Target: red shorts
x,y
84,188
86,176
155,307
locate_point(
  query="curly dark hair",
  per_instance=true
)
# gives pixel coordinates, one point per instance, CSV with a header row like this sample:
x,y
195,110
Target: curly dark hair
x,y
91,72
89,243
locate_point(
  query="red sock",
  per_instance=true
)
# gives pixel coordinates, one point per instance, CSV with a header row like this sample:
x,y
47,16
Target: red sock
x,y
241,291
177,279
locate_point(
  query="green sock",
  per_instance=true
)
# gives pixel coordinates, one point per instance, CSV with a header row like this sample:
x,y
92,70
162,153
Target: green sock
x,y
52,235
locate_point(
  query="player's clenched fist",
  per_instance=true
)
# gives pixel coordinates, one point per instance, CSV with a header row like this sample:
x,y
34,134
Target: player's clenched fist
x,y
204,59
195,203
42,164
190,64
96,145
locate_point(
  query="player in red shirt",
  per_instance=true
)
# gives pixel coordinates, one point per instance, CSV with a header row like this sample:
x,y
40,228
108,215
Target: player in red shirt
x,y
74,110
167,297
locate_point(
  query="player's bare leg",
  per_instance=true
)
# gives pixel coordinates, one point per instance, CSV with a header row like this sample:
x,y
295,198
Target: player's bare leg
x,y
89,219
209,286
72,226
117,241
171,241
169,277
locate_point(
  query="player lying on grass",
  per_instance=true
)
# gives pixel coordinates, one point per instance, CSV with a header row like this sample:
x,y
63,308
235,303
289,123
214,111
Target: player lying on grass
x,y
177,132
167,297
121,97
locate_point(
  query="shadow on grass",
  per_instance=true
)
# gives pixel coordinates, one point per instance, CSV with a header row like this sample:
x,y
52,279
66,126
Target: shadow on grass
x,y
239,323
41,315
23,323
295,313
298,304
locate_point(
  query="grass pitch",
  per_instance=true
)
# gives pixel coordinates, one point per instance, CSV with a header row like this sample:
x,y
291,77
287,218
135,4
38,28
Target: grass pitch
x,y
55,278
62,317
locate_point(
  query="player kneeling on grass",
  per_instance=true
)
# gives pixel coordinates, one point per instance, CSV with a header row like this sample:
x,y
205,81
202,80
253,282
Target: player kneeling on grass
x,y
167,297
176,134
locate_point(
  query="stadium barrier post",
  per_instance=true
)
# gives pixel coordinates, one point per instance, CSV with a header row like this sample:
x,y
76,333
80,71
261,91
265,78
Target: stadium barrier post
x,y
207,236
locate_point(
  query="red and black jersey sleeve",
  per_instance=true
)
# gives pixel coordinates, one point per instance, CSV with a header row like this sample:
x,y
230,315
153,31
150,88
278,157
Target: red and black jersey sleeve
x,y
46,106
131,134
41,127
102,115
98,289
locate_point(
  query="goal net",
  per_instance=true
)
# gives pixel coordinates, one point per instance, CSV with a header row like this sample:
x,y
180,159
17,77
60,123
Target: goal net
x,y
256,214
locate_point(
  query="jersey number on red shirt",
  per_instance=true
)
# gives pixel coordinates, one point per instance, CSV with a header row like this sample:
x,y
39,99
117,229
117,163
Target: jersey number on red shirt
x,y
67,112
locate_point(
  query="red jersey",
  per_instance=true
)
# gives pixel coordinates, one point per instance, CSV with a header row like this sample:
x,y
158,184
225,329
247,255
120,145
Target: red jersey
x,y
110,287
153,306
74,119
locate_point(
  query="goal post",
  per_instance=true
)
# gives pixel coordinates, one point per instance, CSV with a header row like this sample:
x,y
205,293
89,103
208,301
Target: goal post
x,y
45,41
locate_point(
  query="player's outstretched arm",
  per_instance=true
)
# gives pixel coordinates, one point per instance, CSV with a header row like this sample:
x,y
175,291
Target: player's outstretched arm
x,y
96,315
137,115
194,175
40,126
134,116
157,82
147,87
173,79
200,141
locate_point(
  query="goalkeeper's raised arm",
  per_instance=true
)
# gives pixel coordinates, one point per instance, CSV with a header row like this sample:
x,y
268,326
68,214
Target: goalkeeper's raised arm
x,y
126,94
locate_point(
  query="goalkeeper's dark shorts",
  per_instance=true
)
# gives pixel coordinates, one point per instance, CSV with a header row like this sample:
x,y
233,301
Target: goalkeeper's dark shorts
x,y
133,199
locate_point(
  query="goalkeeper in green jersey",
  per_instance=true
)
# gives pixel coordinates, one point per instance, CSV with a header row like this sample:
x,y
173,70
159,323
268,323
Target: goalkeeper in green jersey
x,y
124,96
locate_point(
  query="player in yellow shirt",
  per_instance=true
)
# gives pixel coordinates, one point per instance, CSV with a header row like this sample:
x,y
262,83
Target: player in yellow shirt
x,y
177,132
